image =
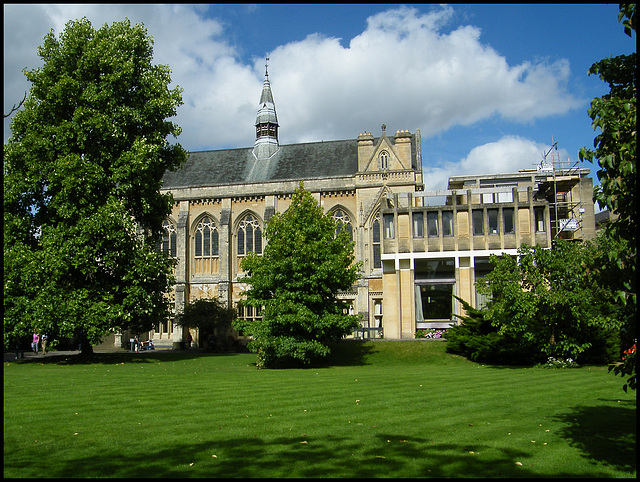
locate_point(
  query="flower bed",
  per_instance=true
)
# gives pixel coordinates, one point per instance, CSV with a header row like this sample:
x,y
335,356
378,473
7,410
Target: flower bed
x,y
431,333
560,363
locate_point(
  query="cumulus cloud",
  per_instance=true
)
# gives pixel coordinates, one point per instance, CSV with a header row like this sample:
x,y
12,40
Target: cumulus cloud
x,y
507,154
407,69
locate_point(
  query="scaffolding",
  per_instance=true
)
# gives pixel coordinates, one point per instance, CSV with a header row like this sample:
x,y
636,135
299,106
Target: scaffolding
x,y
558,181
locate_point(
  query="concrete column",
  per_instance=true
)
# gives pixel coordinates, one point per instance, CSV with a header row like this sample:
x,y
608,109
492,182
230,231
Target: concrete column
x,y
390,301
407,298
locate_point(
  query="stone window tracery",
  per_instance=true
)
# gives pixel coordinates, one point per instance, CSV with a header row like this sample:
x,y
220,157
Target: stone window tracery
x,y
344,223
206,239
249,236
384,160
169,239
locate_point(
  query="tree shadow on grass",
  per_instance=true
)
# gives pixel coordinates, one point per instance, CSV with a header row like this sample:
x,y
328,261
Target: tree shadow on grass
x,y
116,358
347,353
389,455
604,434
343,353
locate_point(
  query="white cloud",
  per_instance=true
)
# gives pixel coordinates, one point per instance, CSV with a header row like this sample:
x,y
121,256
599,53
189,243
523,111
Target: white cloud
x,y
405,69
508,154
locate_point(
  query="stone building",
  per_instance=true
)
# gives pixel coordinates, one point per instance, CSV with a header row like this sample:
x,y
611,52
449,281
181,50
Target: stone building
x,y
418,247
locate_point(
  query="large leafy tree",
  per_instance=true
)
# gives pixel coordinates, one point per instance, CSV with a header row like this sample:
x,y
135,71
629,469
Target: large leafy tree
x,y
82,173
552,300
307,261
614,115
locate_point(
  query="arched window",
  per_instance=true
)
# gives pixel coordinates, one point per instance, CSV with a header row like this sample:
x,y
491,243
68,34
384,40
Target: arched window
x,y
384,160
249,236
169,239
375,242
344,223
206,239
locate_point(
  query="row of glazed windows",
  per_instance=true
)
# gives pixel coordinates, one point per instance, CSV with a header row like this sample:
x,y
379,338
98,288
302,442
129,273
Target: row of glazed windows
x,y
441,223
248,236
435,288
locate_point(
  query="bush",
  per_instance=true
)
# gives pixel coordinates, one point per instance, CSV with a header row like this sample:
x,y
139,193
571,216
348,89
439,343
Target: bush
x,y
479,341
307,261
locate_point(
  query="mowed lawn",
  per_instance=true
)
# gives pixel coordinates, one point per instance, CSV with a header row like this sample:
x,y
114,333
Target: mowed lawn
x,y
379,409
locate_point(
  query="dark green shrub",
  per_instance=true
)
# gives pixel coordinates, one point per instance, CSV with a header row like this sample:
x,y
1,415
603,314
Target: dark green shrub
x,y
479,341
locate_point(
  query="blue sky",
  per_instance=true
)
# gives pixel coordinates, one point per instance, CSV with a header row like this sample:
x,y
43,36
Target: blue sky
x,y
489,86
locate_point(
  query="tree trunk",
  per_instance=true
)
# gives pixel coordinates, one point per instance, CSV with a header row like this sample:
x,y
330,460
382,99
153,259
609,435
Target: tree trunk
x,y
85,346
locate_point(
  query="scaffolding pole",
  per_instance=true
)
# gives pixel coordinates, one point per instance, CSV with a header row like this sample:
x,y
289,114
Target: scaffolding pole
x,y
564,176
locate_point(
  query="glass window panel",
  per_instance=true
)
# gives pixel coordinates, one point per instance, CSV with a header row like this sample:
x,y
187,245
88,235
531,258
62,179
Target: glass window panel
x,y
418,225
447,223
198,243
478,222
249,238
432,224
173,241
206,243
377,260
482,267
436,301
240,241
435,269
214,243
540,224
165,242
376,231
389,232
258,243
507,214
492,214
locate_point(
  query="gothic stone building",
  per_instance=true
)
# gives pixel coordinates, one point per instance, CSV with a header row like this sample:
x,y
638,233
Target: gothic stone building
x,y
418,248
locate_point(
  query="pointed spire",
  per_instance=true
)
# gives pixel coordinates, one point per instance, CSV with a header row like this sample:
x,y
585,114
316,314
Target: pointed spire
x,y
266,143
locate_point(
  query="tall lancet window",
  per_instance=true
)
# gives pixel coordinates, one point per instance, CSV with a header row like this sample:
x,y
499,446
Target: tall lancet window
x,y
249,236
344,223
206,242
206,253
375,242
169,239
384,160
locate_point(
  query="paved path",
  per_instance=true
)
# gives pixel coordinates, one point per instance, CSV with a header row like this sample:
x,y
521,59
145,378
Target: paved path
x,y
28,354
10,356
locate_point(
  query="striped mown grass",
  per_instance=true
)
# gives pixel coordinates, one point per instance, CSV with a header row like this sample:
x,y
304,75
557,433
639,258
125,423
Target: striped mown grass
x,y
379,409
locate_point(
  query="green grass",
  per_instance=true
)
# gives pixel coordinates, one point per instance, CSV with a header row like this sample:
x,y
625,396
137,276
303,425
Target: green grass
x,y
380,409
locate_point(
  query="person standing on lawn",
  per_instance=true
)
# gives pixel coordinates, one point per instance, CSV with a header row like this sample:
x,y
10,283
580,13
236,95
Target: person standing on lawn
x,y
44,343
34,343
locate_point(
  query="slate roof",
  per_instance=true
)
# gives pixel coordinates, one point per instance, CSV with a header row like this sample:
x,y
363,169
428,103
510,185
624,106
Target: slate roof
x,y
291,162
312,160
